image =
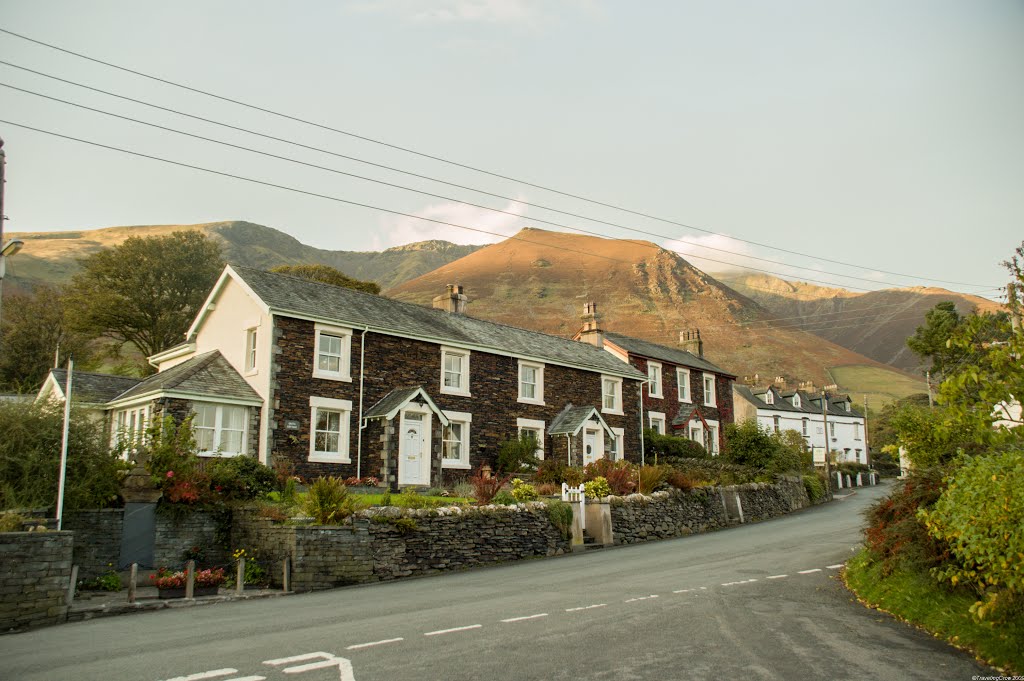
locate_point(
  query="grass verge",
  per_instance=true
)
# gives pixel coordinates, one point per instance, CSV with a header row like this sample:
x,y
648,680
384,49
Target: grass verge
x,y
915,597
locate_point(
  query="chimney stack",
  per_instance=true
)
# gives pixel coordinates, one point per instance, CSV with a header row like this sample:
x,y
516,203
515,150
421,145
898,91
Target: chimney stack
x,y
691,342
453,301
591,331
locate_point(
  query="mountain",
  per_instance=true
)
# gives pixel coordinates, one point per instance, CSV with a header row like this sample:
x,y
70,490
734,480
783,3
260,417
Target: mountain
x,y
51,257
540,280
875,324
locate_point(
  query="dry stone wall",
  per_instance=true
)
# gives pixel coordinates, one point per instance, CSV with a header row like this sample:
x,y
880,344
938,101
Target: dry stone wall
x,y
35,572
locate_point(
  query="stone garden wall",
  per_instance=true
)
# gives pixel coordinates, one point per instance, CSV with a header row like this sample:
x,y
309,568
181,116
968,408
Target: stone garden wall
x,y
35,572
97,545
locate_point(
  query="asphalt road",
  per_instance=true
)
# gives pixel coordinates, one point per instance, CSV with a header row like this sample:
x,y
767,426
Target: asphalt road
x,y
760,601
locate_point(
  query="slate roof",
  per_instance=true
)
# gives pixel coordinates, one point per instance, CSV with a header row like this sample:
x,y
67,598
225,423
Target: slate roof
x,y
397,398
208,374
644,348
571,419
95,388
807,404
291,295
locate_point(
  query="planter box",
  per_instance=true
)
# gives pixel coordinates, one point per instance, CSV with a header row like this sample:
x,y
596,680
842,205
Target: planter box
x,y
180,592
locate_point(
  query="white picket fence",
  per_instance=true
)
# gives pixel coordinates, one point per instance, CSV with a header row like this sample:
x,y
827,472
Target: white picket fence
x,y
576,495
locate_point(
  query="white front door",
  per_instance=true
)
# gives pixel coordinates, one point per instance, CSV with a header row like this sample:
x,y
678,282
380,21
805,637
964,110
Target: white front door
x,y
593,446
414,449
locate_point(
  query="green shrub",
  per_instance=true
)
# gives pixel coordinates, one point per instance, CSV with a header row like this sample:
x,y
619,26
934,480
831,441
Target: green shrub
x,y
485,488
749,444
11,522
518,454
328,502
980,516
573,476
814,486
410,498
657,447
561,515
620,475
895,535
241,478
504,498
550,471
30,444
522,492
598,488
108,581
714,471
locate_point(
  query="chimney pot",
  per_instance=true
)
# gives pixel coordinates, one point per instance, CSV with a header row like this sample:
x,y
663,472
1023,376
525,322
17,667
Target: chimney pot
x,y
691,342
591,332
453,301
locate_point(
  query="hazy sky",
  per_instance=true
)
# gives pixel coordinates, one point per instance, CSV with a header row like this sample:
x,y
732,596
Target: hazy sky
x,y
888,134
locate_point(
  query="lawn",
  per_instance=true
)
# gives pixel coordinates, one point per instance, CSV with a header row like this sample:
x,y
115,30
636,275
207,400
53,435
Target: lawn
x,y
422,501
917,598
880,385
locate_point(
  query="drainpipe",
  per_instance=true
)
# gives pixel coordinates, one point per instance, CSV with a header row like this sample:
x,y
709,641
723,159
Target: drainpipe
x,y
362,424
642,453
568,449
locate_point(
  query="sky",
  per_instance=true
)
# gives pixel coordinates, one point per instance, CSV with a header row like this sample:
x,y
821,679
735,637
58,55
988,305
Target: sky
x,y
865,144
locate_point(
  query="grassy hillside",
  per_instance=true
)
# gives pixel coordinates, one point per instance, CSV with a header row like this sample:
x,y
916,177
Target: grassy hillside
x,y
880,386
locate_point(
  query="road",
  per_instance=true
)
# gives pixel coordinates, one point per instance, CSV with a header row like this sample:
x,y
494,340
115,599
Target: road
x,y
759,601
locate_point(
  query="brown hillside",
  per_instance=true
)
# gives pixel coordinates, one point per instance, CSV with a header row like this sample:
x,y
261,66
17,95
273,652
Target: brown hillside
x,y
541,279
874,324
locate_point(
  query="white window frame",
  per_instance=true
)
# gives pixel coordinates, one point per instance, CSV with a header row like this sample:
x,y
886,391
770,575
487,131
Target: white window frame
x,y
135,433
251,344
796,400
463,389
769,398
683,381
533,425
832,429
711,437
695,426
654,386
713,401
344,372
538,386
777,423
330,404
465,419
856,430
805,427
616,407
617,451
218,426
657,417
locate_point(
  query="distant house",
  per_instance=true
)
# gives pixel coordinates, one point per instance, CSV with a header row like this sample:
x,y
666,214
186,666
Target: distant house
x,y
778,409
89,390
332,381
685,394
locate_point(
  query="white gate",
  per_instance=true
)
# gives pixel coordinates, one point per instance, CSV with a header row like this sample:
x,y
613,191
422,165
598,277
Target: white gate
x,y
576,495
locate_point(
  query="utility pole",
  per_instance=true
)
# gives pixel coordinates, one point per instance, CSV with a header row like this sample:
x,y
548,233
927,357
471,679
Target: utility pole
x,y
928,378
824,420
10,247
867,443
1011,299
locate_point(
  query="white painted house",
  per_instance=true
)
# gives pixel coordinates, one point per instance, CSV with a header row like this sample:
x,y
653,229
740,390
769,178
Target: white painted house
x,y
798,410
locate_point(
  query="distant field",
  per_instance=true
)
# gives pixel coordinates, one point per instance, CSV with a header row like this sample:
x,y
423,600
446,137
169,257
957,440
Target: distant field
x,y
880,385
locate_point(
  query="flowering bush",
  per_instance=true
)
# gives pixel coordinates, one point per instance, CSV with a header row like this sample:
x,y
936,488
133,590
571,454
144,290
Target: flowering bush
x,y
523,492
165,579
598,488
368,481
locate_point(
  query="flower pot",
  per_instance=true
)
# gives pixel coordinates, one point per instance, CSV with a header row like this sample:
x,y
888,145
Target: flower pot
x,y
179,592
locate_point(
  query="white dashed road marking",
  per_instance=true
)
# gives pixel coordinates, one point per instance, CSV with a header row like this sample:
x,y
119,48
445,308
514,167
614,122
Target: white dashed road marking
x,y
640,598
586,607
360,646
778,576
682,591
213,674
834,567
807,572
527,617
452,630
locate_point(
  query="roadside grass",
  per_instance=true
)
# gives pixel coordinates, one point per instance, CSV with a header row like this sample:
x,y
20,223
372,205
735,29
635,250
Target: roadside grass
x,y
881,385
916,597
423,501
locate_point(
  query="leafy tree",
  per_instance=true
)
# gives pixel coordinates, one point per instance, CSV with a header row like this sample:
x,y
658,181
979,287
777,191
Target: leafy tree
x,y
750,444
30,458
327,275
35,325
929,341
518,454
146,291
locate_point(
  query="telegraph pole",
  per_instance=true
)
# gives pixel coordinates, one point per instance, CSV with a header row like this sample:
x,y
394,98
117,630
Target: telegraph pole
x,y
928,378
867,442
824,420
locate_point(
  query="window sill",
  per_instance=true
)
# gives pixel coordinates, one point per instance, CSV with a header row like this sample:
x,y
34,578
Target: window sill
x,y
458,393
456,464
685,401
332,377
328,459
614,412
712,404
524,400
251,372
658,396
219,455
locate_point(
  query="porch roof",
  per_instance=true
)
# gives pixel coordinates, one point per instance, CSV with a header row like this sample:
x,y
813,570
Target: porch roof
x,y
572,419
396,400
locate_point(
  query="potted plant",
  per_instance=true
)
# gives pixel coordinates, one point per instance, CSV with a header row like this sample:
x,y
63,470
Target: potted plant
x,y
172,584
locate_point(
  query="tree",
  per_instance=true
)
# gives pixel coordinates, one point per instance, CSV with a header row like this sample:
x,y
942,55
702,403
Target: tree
x,y
750,444
35,326
146,291
929,341
327,275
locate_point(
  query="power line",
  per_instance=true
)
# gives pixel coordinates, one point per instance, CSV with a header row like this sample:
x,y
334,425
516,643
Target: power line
x,y
460,165
425,177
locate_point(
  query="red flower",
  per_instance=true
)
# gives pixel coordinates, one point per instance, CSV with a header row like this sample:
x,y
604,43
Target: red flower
x,y
170,474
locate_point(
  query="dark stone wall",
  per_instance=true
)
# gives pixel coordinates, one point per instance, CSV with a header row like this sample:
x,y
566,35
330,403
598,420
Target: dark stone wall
x,y
97,540
392,362
35,572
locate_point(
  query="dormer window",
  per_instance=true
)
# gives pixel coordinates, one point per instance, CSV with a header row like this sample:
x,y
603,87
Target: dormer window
x,y
796,400
769,398
847,405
